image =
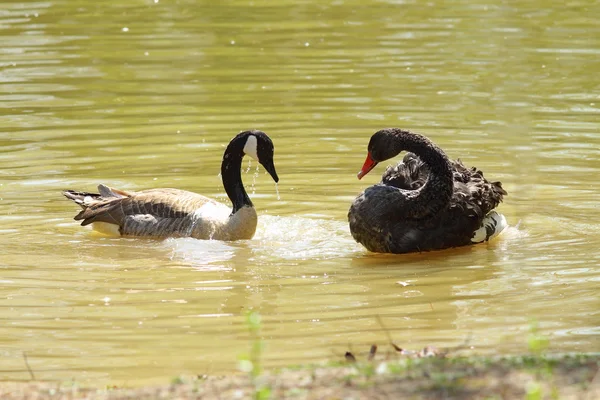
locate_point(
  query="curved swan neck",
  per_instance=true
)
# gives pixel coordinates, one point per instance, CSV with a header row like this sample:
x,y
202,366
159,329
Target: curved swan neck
x,y
436,193
231,175
428,151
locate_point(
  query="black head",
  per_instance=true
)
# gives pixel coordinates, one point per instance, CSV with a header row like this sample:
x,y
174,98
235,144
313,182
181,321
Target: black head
x,y
259,146
382,146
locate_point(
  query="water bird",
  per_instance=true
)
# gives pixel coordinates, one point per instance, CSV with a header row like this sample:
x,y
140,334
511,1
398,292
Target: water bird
x,y
425,202
162,213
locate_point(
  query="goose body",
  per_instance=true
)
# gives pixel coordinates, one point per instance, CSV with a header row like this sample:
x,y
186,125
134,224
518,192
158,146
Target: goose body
x,y
167,212
426,202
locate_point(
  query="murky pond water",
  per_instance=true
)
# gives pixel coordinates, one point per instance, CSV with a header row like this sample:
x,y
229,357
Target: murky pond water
x,y
147,94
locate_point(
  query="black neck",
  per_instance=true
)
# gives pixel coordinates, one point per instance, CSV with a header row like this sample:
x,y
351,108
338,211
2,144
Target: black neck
x,y
429,152
437,191
231,175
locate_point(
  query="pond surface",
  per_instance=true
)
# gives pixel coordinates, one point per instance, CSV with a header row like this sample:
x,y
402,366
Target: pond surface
x,y
146,94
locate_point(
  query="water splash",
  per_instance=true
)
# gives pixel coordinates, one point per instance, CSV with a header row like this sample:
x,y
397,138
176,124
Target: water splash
x,y
300,238
249,165
254,176
277,239
277,190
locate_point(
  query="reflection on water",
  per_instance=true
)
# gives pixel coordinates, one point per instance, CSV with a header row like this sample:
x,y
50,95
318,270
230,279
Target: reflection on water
x,y
147,95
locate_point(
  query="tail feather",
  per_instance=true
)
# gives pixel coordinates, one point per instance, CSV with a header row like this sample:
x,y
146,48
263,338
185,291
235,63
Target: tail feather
x,y
94,204
107,192
83,199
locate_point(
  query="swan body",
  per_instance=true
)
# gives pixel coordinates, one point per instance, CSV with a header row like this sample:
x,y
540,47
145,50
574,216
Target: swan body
x,y
162,213
426,202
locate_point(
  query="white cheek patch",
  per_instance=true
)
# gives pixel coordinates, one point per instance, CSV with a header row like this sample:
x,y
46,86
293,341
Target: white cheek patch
x,y
250,147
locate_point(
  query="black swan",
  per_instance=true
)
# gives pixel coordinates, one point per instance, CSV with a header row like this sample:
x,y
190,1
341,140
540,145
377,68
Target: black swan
x,y
162,213
426,202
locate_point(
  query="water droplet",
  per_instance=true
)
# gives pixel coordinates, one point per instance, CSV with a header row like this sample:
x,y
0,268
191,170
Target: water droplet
x,y
155,1
277,190
146,53
254,176
249,165
306,44
232,42
125,29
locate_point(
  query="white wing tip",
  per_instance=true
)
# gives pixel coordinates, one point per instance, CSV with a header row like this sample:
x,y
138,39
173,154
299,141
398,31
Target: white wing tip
x,y
491,226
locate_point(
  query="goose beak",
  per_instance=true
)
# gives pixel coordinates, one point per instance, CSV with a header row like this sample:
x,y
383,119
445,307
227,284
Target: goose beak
x,y
367,166
270,167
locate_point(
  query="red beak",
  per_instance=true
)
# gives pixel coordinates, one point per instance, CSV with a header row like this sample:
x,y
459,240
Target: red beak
x,y
367,166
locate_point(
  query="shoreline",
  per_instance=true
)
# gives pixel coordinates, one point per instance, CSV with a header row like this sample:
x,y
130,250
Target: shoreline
x,y
572,376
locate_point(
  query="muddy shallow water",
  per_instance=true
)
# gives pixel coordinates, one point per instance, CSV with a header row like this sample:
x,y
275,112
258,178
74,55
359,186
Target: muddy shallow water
x,y
148,94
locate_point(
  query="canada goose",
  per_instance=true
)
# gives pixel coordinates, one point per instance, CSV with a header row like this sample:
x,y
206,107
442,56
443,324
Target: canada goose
x,y
426,202
162,213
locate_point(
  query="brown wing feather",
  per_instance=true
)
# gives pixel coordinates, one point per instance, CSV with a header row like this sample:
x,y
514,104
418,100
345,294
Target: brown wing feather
x,y
116,206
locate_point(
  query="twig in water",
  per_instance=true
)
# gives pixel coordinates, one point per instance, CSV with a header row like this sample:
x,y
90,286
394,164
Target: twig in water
x,y
28,367
387,333
372,351
350,357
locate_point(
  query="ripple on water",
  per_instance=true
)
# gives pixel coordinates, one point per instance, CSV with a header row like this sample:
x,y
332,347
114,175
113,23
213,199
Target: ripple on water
x,y
299,238
277,238
287,239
